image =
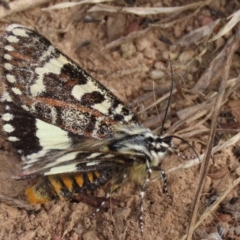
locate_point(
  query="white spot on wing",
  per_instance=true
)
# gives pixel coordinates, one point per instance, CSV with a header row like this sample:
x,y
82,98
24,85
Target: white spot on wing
x,y
12,39
9,48
92,163
10,78
102,107
79,90
8,128
118,109
21,32
17,91
13,139
7,117
8,66
25,107
7,57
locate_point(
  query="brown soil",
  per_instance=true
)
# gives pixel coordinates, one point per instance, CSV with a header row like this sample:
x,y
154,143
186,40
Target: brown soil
x,y
127,70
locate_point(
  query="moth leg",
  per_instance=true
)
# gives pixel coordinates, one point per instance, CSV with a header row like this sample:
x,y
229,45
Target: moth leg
x,y
164,179
115,183
142,193
91,200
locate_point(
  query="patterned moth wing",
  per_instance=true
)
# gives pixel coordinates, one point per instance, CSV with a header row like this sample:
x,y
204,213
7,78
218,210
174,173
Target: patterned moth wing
x,y
68,128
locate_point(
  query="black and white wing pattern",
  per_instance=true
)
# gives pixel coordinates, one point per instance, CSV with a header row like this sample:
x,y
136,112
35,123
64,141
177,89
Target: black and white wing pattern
x,y
50,102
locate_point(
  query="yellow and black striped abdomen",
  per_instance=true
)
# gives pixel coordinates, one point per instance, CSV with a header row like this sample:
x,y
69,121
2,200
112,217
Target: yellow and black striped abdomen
x,y
65,186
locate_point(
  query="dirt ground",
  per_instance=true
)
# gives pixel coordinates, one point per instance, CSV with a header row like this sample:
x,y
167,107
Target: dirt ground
x,y
129,54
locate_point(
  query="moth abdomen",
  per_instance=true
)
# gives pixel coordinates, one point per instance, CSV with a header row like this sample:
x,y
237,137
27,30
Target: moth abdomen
x,y
65,186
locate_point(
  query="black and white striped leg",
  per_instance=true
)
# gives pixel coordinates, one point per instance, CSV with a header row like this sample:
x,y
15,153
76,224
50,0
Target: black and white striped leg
x,y
115,185
101,205
165,181
142,193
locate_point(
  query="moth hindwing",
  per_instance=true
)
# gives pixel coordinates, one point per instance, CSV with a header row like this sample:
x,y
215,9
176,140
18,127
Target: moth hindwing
x,y
69,130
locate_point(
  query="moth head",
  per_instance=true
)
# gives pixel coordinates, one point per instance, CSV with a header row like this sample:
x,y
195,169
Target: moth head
x,y
158,147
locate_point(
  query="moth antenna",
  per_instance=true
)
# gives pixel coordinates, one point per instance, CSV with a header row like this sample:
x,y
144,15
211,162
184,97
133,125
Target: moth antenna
x,y
185,141
169,100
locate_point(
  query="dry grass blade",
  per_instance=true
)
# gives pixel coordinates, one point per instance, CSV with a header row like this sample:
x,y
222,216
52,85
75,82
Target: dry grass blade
x,y
126,72
198,34
189,115
204,167
235,18
193,111
138,34
20,5
166,96
149,95
232,141
192,114
143,11
129,37
73,4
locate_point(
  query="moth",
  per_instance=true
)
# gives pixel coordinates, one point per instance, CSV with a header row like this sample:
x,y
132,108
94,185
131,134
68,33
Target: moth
x,y
71,133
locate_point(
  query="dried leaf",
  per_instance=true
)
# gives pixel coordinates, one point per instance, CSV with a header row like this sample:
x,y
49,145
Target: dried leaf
x,y
235,19
72,4
198,34
143,11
